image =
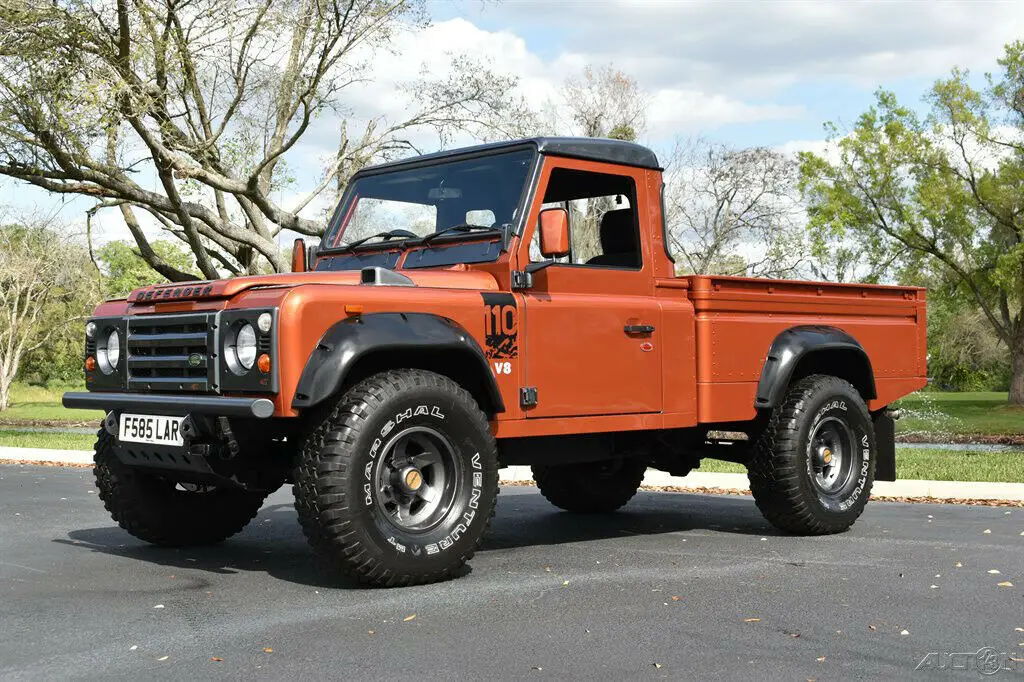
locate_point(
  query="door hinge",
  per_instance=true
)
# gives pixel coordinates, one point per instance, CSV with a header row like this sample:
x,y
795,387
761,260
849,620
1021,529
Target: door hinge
x,y
521,279
528,396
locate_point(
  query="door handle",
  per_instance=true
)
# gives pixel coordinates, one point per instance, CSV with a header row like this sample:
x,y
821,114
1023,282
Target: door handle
x,y
639,328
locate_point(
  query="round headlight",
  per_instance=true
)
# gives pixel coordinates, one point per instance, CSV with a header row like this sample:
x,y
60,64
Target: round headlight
x,y
264,321
109,353
90,330
245,346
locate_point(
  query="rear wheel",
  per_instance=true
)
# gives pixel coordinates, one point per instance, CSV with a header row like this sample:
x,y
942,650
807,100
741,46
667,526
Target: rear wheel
x,y
163,512
397,485
814,464
590,488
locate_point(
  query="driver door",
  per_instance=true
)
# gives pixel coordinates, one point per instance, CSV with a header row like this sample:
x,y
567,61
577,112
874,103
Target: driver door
x,y
591,340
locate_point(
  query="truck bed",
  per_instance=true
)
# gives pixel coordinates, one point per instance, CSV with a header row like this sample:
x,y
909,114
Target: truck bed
x,y
736,319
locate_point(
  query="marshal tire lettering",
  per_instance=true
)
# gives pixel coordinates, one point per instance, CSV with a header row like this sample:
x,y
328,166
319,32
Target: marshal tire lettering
x,y
340,509
785,467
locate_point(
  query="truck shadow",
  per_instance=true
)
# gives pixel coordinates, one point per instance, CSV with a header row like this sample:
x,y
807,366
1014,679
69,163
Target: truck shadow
x,y
528,519
273,542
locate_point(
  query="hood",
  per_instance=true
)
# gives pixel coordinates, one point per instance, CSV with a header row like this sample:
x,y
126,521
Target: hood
x,y
226,288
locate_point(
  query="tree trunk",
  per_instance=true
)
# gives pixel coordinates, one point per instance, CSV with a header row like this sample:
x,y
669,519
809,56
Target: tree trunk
x,y
1017,369
5,393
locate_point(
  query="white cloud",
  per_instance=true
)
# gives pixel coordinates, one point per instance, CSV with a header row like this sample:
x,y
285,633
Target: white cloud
x,y
678,111
756,48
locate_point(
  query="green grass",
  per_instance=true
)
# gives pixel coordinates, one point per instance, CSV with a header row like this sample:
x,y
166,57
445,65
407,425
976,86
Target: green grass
x,y
11,438
932,465
959,413
35,403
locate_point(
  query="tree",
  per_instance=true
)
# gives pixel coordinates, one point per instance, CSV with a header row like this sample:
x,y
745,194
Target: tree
x,y
606,102
733,212
126,269
187,110
46,283
943,192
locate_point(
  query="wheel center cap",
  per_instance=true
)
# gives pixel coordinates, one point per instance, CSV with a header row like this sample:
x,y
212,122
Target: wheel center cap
x,y
412,479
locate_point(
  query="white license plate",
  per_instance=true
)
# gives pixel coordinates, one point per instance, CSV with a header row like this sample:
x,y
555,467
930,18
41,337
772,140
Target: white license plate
x,y
144,428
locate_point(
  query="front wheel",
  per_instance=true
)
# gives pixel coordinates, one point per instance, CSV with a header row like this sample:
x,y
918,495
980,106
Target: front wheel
x,y
814,464
163,512
397,485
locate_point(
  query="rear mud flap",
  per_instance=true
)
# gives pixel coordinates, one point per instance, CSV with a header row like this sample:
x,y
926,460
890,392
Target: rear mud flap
x,y
885,440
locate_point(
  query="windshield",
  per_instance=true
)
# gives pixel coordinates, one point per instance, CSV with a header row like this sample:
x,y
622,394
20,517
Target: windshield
x,y
479,192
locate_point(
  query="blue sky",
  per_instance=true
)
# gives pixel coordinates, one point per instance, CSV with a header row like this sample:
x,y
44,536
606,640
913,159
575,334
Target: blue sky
x,y
743,73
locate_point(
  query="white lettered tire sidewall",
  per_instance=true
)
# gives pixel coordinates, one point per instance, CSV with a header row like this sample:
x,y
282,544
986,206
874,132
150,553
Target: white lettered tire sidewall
x,y
476,483
852,496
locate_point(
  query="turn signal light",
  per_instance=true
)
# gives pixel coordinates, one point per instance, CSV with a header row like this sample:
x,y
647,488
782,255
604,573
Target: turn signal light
x,y
353,310
263,362
90,364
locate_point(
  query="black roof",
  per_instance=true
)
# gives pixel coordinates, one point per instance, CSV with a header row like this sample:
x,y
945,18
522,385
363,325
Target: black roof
x,y
590,148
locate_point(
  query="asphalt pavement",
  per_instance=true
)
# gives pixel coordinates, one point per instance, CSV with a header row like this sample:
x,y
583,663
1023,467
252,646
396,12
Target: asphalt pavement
x,y
675,586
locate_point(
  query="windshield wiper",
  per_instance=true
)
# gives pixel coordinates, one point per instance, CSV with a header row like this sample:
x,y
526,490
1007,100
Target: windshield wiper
x,y
462,227
383,236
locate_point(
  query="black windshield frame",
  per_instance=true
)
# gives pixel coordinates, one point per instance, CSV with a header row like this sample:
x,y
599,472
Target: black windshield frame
x,y
527,151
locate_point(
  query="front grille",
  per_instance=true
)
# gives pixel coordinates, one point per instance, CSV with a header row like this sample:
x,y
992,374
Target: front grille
x,y
171,353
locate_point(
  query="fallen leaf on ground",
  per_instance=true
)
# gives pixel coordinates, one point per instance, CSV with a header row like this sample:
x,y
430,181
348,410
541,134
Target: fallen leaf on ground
x,y
657,665
872,628
163,658
821,658
994,572
793,634
904,632
408,618
751,620
564,583
133,647
987,531
958,565
1006,583
268,650
216,658
1018,629
158,606
935,587
536,667
675,598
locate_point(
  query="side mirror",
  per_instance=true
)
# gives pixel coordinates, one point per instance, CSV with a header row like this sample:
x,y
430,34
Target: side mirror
x,y
554,232
299,255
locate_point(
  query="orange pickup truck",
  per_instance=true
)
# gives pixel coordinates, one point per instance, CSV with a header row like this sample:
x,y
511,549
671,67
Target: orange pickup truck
x,y
510,303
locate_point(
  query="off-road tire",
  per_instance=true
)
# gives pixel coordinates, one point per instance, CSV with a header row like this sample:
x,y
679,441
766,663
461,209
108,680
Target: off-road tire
x,y
782,473
336,485
153,509
590,488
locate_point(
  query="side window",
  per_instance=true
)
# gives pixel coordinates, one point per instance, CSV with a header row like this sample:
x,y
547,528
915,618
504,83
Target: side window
x,y
603,225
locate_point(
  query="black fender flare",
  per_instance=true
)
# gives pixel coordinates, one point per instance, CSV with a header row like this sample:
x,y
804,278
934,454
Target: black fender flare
x,y
793,345
347,342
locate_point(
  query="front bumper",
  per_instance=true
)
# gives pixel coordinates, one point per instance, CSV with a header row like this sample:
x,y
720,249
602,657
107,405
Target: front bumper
x,y
150,403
